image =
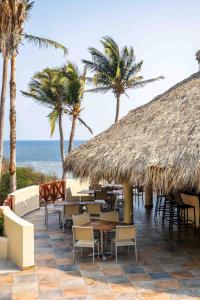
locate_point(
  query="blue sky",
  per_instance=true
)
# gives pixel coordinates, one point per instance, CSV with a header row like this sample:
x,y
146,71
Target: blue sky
x,y
165,34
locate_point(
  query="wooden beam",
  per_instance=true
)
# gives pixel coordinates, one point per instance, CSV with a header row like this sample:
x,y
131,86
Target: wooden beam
x,y
128,204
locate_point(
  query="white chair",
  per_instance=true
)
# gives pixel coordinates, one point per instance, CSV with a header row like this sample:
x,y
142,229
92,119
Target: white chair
x,y
81,219
94,210
83,237
110,216
50,209
70,197
69,211
125,236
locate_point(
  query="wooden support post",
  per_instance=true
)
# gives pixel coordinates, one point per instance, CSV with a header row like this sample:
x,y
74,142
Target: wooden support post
x,y
128,204
148,195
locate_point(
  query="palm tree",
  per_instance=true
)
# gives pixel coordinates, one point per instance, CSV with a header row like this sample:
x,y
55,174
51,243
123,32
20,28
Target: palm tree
x,y
50,88
115,70
16,14
6,53
76,87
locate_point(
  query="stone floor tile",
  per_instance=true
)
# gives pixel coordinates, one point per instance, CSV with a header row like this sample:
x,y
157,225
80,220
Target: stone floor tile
x,y
123,288
6,292
50,294
116,279
129,269
167,284
160,275
182,274
139,277
75,292
6,279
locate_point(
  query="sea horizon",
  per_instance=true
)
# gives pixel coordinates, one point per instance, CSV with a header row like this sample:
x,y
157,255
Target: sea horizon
x,y
41,155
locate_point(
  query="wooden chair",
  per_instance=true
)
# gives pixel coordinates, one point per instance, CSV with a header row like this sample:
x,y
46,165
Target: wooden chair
x,y
125,236
83,237
69,211
80,220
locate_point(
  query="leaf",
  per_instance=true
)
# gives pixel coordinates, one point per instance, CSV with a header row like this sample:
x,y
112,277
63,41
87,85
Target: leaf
x,y
53,117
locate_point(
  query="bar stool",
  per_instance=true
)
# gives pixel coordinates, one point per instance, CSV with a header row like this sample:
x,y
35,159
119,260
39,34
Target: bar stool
x,y
159,204
180,214
167,209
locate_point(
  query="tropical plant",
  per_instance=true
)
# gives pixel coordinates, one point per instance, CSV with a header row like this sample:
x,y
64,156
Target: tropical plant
x,y
13,15
76,88
115,70
50,88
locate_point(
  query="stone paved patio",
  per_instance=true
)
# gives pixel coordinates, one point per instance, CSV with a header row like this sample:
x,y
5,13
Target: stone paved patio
x,y
168,267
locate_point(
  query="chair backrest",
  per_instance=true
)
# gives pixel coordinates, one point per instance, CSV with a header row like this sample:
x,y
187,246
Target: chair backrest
x,y
126,232
87,198
68,192
79,220
100,195
111,216
73,209
94,208
107,188
83,233
95,187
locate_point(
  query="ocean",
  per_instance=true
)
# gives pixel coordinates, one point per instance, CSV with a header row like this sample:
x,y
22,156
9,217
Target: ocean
x,y
43,156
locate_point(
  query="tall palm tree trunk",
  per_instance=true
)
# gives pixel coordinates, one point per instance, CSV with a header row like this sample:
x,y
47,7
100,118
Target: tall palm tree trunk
x,y
73,128
13,124
61,140
117,107
2,109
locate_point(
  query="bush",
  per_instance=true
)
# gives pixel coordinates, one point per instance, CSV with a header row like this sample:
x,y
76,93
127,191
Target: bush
x,y
25,177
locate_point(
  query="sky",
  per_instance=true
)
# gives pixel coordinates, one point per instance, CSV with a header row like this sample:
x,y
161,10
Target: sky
x,y
164,34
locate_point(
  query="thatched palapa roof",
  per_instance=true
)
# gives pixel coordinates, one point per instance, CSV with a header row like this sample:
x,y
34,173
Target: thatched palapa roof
x,y
158,142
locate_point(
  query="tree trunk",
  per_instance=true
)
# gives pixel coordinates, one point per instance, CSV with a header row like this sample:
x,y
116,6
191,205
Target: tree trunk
x,y
61,141
71,139
2,109
117,108
13,125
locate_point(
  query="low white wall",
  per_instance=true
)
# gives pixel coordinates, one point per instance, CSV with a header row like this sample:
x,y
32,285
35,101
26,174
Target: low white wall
x,y
20,234
26,200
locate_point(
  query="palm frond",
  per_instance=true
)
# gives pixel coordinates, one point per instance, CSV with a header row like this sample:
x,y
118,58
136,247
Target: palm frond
x,y
53,117
44,42
140,84
84,124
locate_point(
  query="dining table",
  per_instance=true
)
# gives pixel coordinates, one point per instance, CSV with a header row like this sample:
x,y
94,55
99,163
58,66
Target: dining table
x,y
102,227
68,203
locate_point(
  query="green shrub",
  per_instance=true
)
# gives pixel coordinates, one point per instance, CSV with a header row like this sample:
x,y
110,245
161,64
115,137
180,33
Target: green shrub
x,y
25,177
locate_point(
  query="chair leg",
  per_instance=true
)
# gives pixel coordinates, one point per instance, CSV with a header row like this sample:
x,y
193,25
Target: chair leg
x,y
128,250
98,248
73,253
81,251
135,253
116,253
63,225
93,254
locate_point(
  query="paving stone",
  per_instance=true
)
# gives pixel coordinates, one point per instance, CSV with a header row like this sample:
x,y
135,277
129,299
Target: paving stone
x,y
160,275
